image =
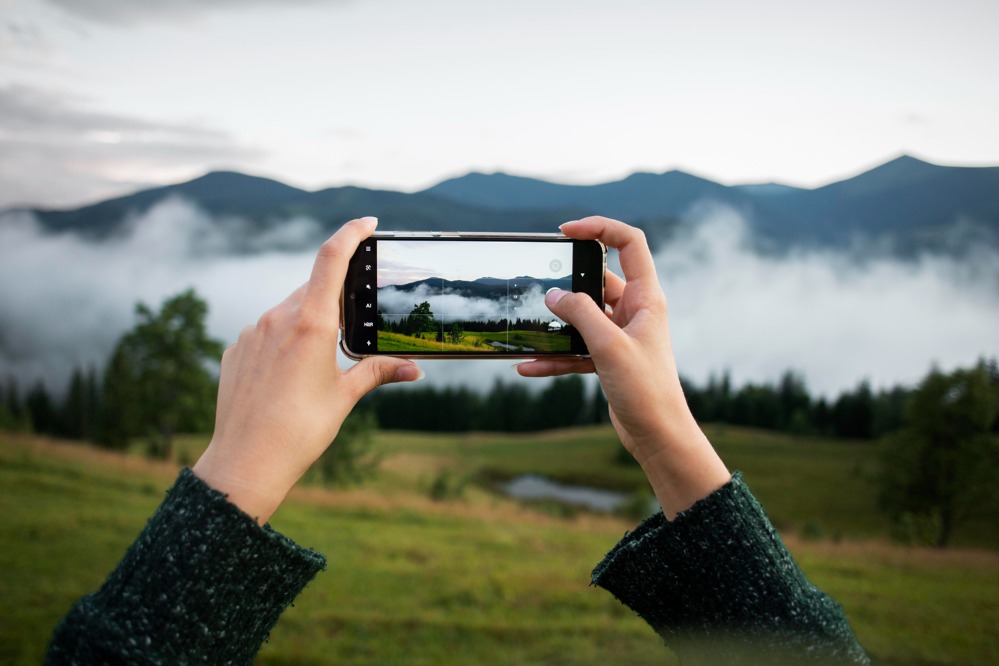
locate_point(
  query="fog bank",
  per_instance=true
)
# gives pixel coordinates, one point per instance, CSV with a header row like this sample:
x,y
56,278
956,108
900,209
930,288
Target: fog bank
x,y
831,316
835,317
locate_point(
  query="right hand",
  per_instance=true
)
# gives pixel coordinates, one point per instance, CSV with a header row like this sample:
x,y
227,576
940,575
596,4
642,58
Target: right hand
x,y
631,353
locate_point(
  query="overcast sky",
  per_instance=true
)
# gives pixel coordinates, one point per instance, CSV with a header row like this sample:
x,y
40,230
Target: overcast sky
x,y
98,97
402,262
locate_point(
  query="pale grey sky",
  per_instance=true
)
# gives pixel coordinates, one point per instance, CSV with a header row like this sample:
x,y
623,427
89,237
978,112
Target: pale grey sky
x,y
98,97
402,262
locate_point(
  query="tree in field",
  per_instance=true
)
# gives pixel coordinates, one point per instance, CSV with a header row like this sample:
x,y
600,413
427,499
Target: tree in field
x,y
120,420
421,319
455,333
159,382
942,466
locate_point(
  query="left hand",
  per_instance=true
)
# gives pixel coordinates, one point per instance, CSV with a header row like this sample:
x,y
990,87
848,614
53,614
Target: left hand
x,y
282,396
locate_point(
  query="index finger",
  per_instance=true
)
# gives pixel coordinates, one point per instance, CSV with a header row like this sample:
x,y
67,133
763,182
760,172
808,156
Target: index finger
x,y
330,268
633,249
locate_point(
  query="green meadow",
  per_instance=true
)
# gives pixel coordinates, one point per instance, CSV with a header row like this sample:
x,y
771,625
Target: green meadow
x,y
474,341
481,579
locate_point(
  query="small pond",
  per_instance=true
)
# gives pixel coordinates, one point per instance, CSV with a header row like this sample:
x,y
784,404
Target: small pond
x,y
530,487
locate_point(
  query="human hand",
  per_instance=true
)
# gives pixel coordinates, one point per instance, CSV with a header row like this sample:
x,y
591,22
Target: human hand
x,y
282,396
631,352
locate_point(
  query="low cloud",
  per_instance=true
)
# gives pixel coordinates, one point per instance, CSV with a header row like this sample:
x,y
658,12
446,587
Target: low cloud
x,y
130,12
835,318
450,306
65,300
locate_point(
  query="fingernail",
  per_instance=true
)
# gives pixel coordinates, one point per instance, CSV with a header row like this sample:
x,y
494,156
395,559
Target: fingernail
x,y
554,295
409,373
569,222
370,219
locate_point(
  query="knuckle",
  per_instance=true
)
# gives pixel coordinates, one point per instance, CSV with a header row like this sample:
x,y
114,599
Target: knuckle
x,y
636,235
244,336
268,321
308,323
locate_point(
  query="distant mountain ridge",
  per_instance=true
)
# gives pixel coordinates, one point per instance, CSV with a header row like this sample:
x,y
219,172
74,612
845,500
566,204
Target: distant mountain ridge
x,y
907,204
485,287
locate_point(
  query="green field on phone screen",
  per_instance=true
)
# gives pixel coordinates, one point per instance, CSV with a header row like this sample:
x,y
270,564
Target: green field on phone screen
x,y
476,341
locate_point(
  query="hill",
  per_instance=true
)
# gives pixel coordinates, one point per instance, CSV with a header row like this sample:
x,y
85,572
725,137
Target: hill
x,y
907,205
266,203
476,579
910,203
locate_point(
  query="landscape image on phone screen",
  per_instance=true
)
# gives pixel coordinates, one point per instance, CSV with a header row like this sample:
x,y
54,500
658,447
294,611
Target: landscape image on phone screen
x,y
471,296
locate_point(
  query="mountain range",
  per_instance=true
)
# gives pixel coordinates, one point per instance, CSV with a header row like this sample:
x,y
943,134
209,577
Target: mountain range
x,y
906,204
485,287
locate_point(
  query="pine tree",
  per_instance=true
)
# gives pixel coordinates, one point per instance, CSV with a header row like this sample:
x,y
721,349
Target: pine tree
x,y
158,382
941,468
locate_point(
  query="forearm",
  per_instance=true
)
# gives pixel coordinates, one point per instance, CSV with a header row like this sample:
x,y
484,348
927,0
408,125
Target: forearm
x,y
719,586
203,583
680,464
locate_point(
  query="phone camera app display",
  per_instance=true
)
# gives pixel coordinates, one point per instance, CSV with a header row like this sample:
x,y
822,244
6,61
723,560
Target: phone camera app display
x,y
471,297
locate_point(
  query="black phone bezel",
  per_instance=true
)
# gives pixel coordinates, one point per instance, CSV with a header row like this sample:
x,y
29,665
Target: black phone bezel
x,y
358,340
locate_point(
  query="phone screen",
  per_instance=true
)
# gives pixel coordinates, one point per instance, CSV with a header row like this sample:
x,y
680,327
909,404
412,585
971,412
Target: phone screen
x,y
466,297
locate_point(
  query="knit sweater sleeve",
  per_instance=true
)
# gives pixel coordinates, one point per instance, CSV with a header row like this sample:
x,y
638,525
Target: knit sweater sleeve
x,y
202,584
719,586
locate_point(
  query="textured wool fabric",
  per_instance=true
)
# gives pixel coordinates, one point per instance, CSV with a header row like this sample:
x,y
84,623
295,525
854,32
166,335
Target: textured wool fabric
x,y
719,586
202,584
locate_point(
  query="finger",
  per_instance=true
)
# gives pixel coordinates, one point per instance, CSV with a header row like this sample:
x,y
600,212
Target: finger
x,y
613,288
635,256
377,371
330,267
589,319
554,367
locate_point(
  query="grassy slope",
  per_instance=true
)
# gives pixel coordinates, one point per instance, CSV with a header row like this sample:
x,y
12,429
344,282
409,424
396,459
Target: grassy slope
x,y
476,581
388,341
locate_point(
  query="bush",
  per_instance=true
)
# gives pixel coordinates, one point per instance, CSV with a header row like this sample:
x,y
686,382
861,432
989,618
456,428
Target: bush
x,y
349,458
447,486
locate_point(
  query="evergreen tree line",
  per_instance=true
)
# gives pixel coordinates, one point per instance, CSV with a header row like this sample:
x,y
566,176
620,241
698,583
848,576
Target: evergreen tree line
x,y
76,416
106,406
504,408
158,382
785,406
414,324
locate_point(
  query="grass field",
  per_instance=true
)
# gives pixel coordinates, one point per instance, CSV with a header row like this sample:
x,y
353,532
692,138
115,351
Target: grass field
x,y
475,341
482,579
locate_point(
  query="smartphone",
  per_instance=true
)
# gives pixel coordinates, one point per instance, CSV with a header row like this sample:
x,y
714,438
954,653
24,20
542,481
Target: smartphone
x,y
466,295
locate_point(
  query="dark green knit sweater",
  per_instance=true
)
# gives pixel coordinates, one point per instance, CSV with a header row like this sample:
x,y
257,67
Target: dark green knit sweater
x,y
718,584
204,584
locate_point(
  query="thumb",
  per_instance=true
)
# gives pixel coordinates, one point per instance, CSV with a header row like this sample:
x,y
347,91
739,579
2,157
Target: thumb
x,y
584,314
376,371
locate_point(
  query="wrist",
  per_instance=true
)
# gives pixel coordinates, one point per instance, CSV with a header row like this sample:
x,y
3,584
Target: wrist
x,y
255,495
681,465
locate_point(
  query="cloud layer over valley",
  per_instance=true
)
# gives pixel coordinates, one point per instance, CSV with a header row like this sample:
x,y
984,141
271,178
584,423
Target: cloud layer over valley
x,y
836,318
449,306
